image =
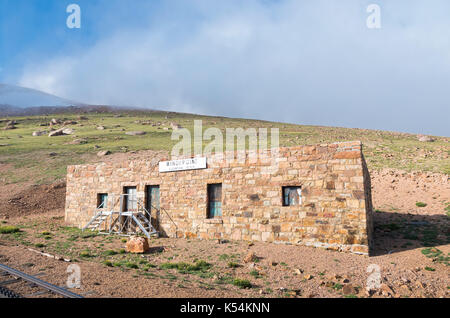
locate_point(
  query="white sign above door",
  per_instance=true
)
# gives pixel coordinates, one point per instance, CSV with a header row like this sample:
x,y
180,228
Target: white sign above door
x,y
182,164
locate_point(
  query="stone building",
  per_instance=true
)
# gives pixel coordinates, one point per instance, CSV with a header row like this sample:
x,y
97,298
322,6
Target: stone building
x,y
318,196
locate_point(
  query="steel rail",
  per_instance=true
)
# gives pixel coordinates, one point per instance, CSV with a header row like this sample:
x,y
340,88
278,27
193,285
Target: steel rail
x,y
53,288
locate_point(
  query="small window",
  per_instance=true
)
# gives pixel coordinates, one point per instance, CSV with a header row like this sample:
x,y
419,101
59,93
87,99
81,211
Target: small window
x,y
102,200
292,196
214,200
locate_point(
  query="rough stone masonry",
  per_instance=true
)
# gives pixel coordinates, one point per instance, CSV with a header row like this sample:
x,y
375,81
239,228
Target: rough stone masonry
x,y
335,211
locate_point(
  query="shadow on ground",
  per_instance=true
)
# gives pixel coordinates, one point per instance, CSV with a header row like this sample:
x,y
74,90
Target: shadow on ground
x,y
397,232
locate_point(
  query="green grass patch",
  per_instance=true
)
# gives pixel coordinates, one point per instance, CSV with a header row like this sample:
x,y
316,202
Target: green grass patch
x,y
110,252
233,265
86,254
21,152
436,255
199,266
242,283
9,229
131,265
255,273
108,263
421,204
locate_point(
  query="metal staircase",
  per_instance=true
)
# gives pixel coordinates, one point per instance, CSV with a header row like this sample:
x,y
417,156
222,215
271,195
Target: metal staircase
x,y
120,218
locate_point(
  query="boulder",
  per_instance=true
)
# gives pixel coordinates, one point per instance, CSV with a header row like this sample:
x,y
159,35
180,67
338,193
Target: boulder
x,y
58,132
68,131
425,138
175,126
137,245
55,121
103,153
101,128
135,133
9,126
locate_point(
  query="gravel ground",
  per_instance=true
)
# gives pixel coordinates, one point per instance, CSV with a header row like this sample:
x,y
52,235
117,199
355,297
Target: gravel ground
x,y
408,242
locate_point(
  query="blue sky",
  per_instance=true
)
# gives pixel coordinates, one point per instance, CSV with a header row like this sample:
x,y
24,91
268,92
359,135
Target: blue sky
x,y
307,62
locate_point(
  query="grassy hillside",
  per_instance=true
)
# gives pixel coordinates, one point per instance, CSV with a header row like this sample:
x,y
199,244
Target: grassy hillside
x,y
43,159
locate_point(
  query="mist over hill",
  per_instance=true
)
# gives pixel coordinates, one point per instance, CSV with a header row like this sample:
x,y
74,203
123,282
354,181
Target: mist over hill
x,y
12,96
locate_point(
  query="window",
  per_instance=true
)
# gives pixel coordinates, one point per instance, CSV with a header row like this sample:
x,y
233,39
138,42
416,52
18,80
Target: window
x,y
214,200
292,196
102,200
130,202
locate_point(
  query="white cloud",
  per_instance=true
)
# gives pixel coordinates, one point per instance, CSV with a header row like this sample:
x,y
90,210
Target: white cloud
x,y
312,62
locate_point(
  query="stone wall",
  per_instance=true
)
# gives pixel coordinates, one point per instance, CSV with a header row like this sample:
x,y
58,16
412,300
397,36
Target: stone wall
x,y
335,213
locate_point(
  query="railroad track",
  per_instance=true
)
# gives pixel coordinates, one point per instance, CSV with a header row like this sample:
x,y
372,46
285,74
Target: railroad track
x,y
14,276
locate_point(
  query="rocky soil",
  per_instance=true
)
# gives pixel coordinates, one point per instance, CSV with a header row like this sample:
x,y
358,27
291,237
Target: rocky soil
x,y
411,251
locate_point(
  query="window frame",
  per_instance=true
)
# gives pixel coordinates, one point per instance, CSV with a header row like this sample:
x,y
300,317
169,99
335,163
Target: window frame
x,y
208,201
100,202
283,195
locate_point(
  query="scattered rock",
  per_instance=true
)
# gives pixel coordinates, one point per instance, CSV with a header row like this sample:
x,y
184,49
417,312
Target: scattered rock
x,y
404,290
39,133
58,132
386,291
250,258
137,245
329,284
100,127
298,271
103,153
9,126
348,289
78,142
175,126
55,121
308,277
272,263
67,131
422,138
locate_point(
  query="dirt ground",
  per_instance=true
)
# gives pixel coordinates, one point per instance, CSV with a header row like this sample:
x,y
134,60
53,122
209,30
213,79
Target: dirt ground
x,y
411,251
